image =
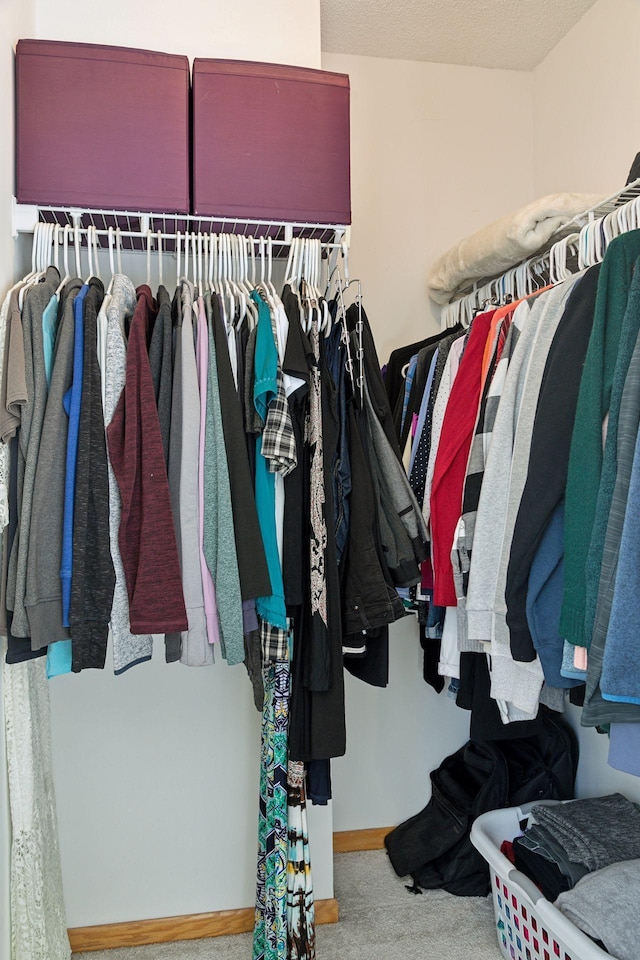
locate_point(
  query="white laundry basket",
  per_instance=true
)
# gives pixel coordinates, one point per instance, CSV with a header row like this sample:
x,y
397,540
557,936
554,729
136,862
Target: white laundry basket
x,y
529,927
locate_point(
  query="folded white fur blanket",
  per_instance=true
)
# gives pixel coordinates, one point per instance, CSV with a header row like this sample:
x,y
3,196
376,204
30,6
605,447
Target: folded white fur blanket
x,y
505,243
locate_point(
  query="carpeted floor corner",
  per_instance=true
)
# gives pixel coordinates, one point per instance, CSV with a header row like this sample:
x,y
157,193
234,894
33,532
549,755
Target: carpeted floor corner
x,y
379,920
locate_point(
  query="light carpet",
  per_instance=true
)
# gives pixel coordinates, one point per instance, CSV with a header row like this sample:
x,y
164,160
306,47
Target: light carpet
x,y
379,920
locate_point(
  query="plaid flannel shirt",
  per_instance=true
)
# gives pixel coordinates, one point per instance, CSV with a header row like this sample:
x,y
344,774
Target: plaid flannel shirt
x,y
505,343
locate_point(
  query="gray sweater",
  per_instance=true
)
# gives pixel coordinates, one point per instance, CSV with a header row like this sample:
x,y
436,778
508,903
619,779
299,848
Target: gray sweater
x,y
37,298
183,482
43,593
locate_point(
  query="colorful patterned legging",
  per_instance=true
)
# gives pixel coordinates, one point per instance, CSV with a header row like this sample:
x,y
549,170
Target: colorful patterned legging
x,y
284,919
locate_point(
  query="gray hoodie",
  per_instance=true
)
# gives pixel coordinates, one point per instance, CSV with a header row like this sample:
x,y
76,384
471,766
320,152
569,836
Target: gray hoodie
x,y
39,297
43,591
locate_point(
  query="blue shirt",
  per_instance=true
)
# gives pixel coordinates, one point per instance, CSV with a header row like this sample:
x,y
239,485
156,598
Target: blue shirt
x,y
72,402
411,372
422,416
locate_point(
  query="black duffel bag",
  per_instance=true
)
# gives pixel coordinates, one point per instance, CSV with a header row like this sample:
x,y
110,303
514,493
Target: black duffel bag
x,y
434,846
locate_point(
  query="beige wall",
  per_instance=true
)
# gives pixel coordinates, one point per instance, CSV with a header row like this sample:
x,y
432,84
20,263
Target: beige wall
x,y
586,96
275,31
424,173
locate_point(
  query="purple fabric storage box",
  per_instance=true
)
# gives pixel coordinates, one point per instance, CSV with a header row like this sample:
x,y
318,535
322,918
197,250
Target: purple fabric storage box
x,y
100,126
270,142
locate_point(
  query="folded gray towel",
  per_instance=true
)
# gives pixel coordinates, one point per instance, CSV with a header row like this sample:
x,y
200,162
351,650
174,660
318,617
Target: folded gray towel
x,y
539,840
595,832
604,905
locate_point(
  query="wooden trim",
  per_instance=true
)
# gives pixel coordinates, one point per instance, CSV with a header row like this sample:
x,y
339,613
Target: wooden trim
x,y
349,841
136,933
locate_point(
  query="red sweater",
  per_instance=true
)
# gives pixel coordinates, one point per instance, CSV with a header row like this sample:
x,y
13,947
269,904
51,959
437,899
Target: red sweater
x,y
452,457
146,537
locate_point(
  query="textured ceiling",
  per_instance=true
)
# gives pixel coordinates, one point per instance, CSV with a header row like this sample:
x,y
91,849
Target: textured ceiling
x,y
512,34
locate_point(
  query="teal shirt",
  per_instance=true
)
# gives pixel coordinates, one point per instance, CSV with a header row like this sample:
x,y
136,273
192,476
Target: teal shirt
x,y
265,388
49,332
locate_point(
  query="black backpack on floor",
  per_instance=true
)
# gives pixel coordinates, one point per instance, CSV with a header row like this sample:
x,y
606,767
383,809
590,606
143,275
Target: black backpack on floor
x,y
435,848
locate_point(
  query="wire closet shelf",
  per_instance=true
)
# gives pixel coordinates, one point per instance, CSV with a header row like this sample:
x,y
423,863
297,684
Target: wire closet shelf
x,y
137,229
472,297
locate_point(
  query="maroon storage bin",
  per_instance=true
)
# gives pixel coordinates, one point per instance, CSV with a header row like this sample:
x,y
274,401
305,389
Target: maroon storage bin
x,y
270,142
100,126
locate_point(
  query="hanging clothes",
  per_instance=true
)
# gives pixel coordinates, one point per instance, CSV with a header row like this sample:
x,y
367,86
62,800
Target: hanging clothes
x,y
146,535
231,474
129,649
585,462
93,582
219,541
184,452
522,542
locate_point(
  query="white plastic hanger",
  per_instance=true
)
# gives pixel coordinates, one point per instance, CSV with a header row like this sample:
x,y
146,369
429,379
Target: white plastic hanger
x,y
252,255
622,214
28,279
200,284
185,271
96,258
207,262
160,251
119,248
249,308
226,293
89,255
213,263
65,258
231,242
56,246
111,243
76,249
325,320
187,246
270,267
194,258
47,258
40,249
610,227
149,244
